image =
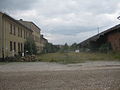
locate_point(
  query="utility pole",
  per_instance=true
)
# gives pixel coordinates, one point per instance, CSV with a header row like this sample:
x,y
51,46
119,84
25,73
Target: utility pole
x,y
98,29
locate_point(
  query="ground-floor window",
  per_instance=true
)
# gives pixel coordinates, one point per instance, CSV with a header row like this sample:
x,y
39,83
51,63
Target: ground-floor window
x,y
10,45
15,46
21,47
18,47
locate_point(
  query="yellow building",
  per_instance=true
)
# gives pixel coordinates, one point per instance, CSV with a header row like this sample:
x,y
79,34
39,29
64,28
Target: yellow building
x,y
43,42
36,33
13,34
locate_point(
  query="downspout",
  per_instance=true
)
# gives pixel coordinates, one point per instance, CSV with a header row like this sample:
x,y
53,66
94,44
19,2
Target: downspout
x,y
3,57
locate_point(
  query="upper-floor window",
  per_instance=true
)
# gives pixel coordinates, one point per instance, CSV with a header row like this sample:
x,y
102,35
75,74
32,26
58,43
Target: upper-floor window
x,y
24,34
18,31
14,30
21,32
10,28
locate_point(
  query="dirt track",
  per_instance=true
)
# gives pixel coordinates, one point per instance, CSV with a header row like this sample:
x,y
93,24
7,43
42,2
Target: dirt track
x,y
87,76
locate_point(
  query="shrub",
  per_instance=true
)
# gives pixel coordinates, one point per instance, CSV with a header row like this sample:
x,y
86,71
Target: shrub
x,y
105,47
30,46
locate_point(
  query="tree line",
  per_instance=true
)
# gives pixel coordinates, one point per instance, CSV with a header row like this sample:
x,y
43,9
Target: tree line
x,y
30,47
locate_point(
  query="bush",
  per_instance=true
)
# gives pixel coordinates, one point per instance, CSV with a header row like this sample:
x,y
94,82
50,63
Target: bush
x,y
29,58
13,59
30,46
104,48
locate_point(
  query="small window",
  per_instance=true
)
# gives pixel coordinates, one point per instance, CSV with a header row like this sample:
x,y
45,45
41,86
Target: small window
x,y
21,32
14,30
10,45
10,28
21,47
18,47
24,34
15,46
18,31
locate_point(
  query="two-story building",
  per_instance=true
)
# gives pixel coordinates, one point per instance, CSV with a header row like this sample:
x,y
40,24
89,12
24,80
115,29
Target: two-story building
x,y
36,33
13,34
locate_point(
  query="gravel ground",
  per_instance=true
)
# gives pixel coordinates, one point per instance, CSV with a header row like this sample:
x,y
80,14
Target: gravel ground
x,y
52,76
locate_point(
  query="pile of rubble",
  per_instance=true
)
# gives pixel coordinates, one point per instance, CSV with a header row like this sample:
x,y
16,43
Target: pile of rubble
x,y
29,58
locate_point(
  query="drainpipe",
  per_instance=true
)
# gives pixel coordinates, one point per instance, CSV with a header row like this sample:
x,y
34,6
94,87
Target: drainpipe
x,y
3,57
3,54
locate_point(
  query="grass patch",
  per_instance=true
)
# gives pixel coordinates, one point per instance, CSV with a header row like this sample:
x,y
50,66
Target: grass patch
x,y
3,63
77,57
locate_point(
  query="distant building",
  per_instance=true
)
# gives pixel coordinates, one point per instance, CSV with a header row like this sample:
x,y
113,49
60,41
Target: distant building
x,y
111,36
43,42
13,34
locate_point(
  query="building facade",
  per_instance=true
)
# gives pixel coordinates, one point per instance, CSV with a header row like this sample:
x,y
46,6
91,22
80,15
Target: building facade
x,y
43,42
13,35
36,34
111,36
114,39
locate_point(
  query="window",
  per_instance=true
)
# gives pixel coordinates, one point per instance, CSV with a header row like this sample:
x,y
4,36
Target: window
x,y
18,31
10,28
24,34
21,47
29,34
15,46
21,32
18,47
14,30
10,45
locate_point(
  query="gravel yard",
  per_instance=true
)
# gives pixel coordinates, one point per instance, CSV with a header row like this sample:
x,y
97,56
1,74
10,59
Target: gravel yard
x,y
52,76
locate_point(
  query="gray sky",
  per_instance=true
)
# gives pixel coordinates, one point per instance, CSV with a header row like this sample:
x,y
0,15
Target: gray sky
x,y
64,21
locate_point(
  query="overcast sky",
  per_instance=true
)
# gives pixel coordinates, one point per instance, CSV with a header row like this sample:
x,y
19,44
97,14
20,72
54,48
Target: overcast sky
x,y
65,21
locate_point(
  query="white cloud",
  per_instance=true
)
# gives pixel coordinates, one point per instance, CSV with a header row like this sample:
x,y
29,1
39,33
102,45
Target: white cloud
x,y
66,20
62,39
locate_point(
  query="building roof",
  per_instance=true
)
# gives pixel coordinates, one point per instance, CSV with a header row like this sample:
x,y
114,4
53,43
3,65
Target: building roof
x,y
96,37
4,14
27,23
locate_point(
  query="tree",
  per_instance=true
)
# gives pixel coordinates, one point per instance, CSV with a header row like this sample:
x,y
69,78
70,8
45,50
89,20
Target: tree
x,y
106,47
64,48
73,47
50,48
30,46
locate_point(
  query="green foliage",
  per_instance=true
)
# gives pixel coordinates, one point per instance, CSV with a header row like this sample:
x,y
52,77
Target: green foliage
x,y
50,48
105,47
74,47
64,48
30,46
116,55
76,57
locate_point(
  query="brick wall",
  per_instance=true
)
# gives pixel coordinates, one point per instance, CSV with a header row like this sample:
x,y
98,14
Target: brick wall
x,y
114,39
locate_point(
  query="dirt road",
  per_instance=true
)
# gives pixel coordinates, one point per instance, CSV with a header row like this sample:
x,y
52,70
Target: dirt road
x,y
52,76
